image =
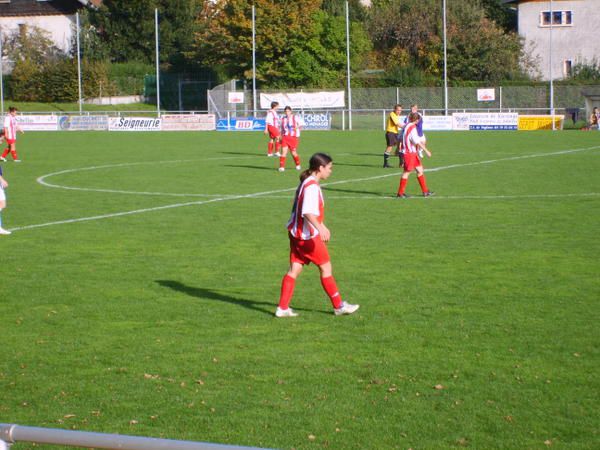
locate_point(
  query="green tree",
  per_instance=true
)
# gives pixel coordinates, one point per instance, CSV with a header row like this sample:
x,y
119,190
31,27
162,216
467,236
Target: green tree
x,y
407,38
127,29
297,43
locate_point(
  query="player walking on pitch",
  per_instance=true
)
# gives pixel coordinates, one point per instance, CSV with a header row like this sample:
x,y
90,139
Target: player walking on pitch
x,y
10,134
308,236
273,129
412,145
3,185
290,125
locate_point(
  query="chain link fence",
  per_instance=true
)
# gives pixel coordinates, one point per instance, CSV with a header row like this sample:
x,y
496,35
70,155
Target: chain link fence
x,y
370,105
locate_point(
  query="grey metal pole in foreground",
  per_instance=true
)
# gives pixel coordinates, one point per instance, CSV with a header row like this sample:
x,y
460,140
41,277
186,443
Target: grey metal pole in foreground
x,y
445,64
253,61
16,433
348,65
79,66
550,64
157,63
1,78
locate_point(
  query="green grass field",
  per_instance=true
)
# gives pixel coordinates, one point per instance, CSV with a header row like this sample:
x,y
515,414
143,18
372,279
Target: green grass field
x,y
139,285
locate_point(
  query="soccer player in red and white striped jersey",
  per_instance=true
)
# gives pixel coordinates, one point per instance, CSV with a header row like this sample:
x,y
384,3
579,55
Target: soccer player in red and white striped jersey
x,y
290,126
308,235
413,144
10,134
273,129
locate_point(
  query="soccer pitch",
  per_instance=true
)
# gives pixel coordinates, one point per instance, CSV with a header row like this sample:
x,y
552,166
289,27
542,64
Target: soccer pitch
x,y
139,285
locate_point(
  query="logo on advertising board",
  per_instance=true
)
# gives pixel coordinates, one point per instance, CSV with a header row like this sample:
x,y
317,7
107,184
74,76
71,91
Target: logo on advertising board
x,y
241,124
317,121
133,124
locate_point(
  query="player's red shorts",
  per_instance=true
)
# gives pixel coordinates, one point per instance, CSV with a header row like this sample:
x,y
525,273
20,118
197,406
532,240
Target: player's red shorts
x,y
290,142
310,251
411,161
11,141
273,131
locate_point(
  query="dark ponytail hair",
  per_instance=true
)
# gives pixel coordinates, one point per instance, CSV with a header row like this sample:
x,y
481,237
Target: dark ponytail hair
x,y
317,160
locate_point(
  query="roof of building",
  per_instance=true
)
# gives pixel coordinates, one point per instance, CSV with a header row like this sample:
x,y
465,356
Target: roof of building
x,y
41,8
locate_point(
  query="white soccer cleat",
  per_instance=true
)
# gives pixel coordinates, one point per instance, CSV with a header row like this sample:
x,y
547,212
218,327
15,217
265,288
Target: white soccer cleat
x,y
298,167
2,159
281,169
270,155
17,160
5,232
289,312
277,154
345,309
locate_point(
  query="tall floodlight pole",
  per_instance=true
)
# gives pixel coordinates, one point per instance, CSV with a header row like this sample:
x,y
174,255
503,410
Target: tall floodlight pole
x,y
253,61
348,66
550,64
445,62
79,65
157,63
1,76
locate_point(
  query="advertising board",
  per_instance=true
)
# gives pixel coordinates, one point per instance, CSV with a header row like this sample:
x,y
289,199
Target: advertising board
x,y
241,124
134,124
37,123
83,123
188,122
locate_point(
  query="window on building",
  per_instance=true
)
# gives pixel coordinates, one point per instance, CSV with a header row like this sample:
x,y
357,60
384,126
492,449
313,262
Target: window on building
x,y
556,18
567,68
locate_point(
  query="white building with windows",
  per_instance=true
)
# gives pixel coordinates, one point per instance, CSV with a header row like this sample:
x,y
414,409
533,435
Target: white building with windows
x,y
559,33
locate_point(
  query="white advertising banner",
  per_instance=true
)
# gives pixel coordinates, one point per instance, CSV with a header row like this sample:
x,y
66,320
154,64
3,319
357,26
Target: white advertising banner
x,y
485,121
486,95
37,123
188,122
300,100
134,124
441,123
235,97
81,123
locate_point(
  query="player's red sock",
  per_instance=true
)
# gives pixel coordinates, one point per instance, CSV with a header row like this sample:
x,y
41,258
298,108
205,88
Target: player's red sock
x,y
14,154
287,290
421,180
270,150
6,151
402,186
282,161
296,159
330,287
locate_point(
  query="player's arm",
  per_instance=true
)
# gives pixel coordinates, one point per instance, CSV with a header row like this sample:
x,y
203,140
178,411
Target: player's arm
x,y
321,228
424,148
3,183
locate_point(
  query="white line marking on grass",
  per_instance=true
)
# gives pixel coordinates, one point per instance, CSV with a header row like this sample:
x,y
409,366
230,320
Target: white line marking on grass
x,y
42,180
268,193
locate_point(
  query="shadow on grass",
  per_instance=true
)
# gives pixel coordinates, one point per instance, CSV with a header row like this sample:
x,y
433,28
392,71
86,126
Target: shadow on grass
x,y
352,191
267,308
210,294
243,153
250,167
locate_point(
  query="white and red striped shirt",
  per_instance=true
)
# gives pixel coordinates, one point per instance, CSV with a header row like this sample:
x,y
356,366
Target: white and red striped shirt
x,y
308,200
291,125
10,127
273,118
411,138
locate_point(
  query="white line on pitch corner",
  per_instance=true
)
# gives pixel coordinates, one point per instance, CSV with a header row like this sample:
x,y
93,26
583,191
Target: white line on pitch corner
x,y
279,191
